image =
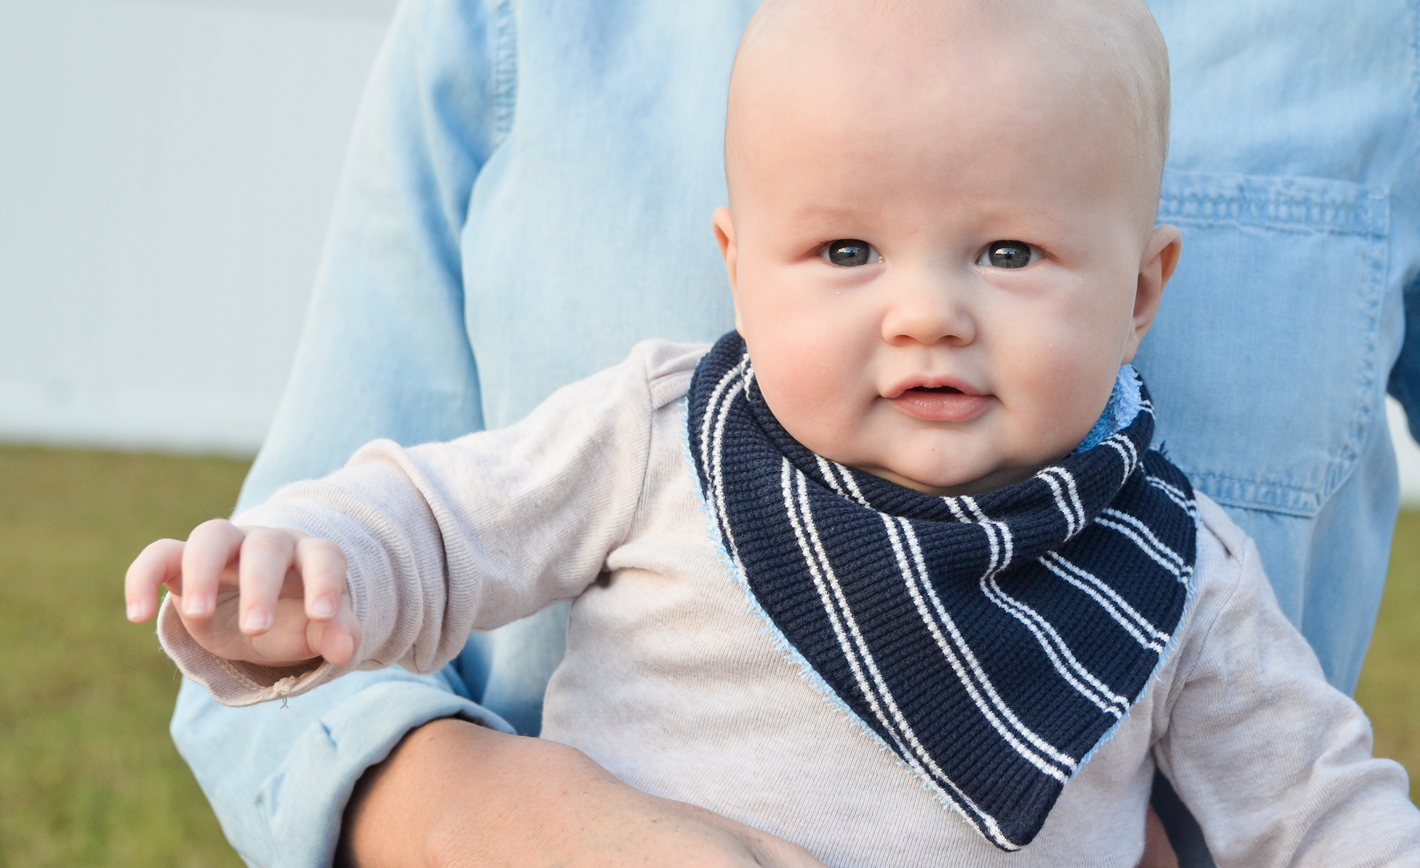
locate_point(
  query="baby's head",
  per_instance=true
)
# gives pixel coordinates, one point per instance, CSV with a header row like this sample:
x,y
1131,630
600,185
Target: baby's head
x,y
941,227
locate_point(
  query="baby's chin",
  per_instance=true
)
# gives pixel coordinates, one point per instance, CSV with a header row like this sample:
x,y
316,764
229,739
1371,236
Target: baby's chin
x,y
944,482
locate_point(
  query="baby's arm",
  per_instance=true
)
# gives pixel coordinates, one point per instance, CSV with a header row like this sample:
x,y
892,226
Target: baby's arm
x,y
1274,763
437,540
272,596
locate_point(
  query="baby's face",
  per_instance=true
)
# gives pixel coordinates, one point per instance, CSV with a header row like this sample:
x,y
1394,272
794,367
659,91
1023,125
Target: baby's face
x,y
938,267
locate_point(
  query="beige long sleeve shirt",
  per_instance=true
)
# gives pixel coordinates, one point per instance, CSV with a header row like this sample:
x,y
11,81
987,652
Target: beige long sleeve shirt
x,y
672,684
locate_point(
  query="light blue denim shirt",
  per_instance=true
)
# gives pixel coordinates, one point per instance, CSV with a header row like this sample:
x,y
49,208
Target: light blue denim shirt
x,y
529,193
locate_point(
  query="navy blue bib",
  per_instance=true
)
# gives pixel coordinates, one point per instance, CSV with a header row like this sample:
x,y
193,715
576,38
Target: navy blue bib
x,y
992,641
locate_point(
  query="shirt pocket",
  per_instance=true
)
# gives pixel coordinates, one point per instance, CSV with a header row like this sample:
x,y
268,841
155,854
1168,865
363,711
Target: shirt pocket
x,y
1263,362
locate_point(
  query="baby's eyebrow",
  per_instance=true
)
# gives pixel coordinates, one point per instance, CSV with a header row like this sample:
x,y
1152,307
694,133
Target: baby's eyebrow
x,y
825,214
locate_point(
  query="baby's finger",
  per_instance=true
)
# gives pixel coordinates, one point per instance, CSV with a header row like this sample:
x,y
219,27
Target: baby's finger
x,y
157,564
267,556
336,639
210,548
322,565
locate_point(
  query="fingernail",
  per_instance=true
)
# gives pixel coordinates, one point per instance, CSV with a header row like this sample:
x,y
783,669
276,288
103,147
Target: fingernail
x,y
256,619
197,604
135,611
323,607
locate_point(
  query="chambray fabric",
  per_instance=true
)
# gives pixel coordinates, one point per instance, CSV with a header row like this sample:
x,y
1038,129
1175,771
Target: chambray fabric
x,y
528,193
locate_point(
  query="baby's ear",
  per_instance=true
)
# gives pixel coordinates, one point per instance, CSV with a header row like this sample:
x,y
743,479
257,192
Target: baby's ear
x,y
1155,268
724,226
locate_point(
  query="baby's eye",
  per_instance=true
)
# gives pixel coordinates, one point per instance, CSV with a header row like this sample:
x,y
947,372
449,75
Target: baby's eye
x,y
1007,254
849,252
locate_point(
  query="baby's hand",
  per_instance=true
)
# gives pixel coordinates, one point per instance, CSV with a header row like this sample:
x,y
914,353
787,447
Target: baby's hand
x,y
271,596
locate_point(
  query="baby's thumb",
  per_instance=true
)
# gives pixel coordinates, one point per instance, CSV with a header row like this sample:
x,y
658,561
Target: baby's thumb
x,y
337,639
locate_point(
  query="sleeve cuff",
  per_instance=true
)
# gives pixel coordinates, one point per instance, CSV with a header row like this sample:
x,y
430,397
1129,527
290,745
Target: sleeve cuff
x,y
232,682
316,749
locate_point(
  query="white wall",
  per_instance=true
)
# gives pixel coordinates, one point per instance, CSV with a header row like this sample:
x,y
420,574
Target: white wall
x,y
166,172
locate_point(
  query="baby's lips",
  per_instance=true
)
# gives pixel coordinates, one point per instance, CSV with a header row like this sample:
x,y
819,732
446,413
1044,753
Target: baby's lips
x,y
926,382
941,406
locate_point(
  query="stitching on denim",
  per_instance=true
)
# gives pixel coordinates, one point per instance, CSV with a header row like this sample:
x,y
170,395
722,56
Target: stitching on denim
x,y
1415,55
504,69
1294,500
1344,462
1271,203
1342,465
1259,482
1366,213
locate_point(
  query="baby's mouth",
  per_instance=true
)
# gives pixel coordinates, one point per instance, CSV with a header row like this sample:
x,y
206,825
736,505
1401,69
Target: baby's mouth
x,y
941,403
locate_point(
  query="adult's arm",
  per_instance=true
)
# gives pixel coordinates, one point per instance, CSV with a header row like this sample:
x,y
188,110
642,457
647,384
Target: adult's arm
x,y
544,804
384,351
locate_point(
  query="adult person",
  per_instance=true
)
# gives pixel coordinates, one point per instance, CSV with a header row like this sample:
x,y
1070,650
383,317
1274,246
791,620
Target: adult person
x,y
528,193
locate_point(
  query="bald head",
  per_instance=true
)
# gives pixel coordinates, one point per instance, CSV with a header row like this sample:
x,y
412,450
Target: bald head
x,y
1106,56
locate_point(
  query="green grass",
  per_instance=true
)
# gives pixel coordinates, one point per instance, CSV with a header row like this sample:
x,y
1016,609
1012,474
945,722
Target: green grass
x,y
88,776
1389,689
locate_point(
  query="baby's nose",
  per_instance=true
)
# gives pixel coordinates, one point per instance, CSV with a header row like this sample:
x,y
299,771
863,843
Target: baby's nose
x,y
927,309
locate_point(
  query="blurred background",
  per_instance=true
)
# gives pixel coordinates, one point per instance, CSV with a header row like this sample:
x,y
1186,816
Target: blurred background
x,y
166,172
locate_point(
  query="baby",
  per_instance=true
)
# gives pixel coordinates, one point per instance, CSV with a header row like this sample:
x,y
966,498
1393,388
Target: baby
x,y
891,571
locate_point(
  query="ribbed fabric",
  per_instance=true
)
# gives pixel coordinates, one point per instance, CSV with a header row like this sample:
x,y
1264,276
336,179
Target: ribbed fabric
x,y
992,642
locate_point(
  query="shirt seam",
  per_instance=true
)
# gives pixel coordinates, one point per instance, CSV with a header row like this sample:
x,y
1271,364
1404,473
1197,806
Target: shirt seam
x,y
1415,56
1367,213
504,70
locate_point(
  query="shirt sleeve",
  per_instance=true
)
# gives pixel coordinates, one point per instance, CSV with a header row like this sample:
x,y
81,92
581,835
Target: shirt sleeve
x,y
384,351
1274,763
383,354
472,534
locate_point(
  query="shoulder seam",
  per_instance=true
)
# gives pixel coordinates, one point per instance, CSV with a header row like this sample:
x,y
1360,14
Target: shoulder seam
x,y
668,379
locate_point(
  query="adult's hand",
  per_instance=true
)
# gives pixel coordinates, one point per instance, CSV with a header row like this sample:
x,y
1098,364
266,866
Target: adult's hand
x,y
457,794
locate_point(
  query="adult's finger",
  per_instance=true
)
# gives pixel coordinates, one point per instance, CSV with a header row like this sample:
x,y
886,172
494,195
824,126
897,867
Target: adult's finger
x,y
159,563
210,548
268,554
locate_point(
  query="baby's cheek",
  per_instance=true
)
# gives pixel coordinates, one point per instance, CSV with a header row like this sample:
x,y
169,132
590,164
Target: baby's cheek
x,y
1065,399
812,402
786,380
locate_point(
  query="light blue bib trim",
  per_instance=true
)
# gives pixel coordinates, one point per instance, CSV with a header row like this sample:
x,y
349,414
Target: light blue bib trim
x,y
1123,406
